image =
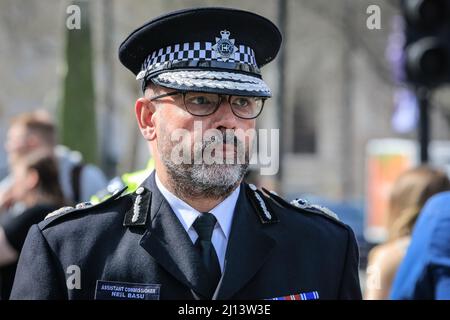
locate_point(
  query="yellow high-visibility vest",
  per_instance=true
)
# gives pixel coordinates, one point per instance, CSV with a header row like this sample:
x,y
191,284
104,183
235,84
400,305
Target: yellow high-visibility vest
x,y
130,180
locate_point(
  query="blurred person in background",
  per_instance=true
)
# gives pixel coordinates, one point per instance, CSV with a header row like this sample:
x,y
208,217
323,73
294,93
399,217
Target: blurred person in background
x,y
35,186
194,230
35,130
6,200
425,271
409,194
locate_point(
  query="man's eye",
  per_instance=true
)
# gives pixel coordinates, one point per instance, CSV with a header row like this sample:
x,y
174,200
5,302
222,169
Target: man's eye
x,y
242,102
200,100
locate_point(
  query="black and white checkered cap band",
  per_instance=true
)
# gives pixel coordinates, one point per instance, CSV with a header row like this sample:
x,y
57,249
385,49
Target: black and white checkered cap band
x,y
197,51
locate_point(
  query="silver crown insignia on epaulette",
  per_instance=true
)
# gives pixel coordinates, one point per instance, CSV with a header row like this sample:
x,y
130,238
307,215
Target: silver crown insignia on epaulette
x,y
301,203
83,205
305,204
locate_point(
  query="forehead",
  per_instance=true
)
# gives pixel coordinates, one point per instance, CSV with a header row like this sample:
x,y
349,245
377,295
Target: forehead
x,y
17,130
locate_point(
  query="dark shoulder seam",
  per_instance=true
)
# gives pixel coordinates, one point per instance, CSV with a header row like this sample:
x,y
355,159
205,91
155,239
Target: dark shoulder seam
x,y
54,257
350,237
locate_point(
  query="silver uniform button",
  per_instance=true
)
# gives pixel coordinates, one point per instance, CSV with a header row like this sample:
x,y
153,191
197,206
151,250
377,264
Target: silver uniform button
x,y
140,190
83,205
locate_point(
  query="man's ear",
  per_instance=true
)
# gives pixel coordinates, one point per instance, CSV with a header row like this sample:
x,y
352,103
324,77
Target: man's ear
x,y
145,111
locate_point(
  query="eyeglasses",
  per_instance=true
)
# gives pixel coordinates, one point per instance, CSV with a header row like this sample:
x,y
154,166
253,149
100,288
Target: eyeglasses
x,y
202,104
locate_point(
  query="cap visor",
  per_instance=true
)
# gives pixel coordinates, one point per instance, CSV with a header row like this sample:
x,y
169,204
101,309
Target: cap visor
x,y
214,81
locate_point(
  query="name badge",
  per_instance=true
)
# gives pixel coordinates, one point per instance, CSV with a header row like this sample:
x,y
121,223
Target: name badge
x,y
113,290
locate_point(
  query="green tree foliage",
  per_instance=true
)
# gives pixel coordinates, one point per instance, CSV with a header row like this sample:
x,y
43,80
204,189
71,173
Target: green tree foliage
x,y
77,111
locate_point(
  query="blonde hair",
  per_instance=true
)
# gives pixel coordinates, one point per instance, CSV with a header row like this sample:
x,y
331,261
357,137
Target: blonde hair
x,y
409,194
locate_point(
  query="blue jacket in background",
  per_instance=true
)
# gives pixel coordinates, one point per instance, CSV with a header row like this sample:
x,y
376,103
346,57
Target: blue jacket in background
x,y
425,271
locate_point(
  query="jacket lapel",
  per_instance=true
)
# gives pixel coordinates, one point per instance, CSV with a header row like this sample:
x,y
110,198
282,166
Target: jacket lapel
x,y
169,244
248,248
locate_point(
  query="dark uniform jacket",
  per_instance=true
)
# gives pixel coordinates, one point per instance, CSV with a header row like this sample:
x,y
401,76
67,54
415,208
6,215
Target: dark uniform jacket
x,y
274,250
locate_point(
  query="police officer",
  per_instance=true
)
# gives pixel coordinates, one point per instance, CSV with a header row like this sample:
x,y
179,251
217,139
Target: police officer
x,y
194,230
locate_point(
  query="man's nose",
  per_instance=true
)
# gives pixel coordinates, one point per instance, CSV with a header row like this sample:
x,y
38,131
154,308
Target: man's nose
x,y
224,116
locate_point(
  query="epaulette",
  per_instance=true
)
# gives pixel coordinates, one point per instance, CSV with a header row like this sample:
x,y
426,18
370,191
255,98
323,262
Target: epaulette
x,y
303,206
81,207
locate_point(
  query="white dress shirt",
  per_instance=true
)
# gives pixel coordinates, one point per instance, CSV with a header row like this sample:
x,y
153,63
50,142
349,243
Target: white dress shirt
x,y
223,212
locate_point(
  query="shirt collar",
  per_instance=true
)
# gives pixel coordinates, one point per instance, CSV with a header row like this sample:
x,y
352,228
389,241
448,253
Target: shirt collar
x,y
223,212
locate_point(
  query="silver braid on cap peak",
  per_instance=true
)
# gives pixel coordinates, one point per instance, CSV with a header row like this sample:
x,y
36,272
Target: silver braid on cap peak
x,y
214,80
215,75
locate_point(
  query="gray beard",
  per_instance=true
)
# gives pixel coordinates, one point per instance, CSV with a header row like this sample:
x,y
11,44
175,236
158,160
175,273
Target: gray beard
x,y
212,181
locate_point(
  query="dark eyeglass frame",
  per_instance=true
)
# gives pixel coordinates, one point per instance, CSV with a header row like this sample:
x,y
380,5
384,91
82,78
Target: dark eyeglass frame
x,y
221,96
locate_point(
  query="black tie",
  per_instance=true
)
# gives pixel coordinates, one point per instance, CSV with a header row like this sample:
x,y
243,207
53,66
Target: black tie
x,y
204,226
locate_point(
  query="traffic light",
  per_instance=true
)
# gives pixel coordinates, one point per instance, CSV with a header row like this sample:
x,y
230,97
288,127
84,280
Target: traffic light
x,y
427,50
